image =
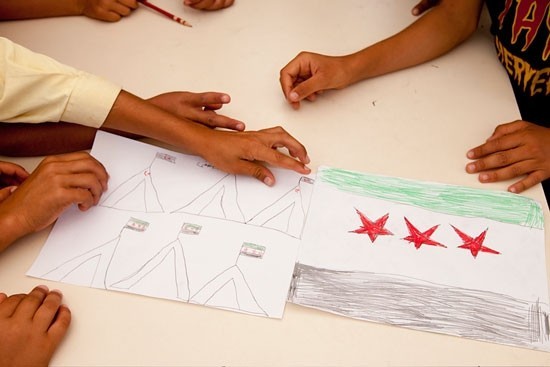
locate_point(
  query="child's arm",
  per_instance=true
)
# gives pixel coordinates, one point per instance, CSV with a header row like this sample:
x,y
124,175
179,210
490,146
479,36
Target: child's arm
x,y
435,33
20,139
106,10
233,152
85,99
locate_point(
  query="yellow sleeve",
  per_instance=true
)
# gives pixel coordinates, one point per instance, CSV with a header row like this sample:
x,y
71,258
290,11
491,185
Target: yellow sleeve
x,y
35,88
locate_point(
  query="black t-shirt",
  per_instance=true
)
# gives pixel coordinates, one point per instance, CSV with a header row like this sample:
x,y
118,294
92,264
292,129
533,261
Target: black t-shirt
x,y
522,39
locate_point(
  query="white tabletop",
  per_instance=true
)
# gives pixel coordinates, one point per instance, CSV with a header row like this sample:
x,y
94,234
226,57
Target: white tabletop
x,y
417,123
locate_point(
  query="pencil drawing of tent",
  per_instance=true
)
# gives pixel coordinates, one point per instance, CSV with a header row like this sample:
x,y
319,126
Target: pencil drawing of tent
x,y
139,193
173,253
495,291
231,284
286,213
218,201
95,263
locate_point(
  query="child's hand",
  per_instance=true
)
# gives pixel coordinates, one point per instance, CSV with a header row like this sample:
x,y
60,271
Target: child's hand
x,y
198,107
208,4
515,149
57,183
108,10
310,74
242,152
31,327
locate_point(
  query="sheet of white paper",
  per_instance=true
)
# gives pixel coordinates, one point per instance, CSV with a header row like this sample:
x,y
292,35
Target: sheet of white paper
x,y
468,262
172,226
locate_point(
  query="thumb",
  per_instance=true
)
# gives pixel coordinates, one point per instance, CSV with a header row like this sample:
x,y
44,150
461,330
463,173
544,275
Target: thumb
x,y
6,192
506,129
306,88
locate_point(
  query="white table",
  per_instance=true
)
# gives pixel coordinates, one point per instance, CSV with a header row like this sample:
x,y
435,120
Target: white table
x,y
417,123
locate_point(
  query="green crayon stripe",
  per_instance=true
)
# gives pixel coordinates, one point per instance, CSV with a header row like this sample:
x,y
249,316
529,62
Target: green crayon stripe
x,y
448,199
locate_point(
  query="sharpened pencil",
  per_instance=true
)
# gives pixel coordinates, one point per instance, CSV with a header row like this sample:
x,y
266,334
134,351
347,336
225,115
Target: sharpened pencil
x,y
165,13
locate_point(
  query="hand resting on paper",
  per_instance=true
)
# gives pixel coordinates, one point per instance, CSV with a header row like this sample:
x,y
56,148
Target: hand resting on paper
x,y
515,149
57,183
31,327
244,152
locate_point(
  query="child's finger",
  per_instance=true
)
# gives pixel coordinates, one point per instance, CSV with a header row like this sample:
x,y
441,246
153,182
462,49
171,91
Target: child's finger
x,y
59,327
47,311
31,302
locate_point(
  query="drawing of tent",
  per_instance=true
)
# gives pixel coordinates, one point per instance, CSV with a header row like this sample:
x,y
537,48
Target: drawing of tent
x,y
218,201
97,259
173,252
138,193
229,289
288,213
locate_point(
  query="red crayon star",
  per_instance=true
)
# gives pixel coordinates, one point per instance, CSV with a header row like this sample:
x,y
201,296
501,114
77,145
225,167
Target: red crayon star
x,y
421,238
373,229
475,245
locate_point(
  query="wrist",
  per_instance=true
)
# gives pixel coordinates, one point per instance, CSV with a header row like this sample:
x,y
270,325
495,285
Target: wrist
x,y
12,229
357,67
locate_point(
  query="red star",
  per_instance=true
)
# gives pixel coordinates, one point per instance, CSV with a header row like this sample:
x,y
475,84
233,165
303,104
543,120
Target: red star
x,y
373,229
421,238
475,245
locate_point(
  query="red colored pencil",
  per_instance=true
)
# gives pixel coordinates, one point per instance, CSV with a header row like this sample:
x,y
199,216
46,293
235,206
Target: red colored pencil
x,y
164,12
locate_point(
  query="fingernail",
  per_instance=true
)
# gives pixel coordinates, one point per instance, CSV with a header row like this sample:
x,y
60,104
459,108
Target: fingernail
x,y
470,154
268,181
57,291
294,97
12,189
512,190
483,177
240,126
415,11
471,168
43,287
225,98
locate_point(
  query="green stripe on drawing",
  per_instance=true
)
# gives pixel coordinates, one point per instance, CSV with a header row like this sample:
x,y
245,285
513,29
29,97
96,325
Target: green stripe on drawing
x,y
448,199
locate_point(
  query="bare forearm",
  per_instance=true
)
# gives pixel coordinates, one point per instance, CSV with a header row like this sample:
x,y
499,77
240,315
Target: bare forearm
x,y
29,9
18,140
434,34
137,116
